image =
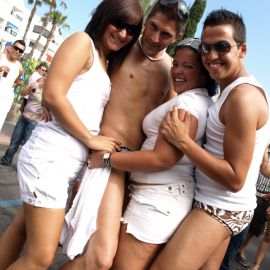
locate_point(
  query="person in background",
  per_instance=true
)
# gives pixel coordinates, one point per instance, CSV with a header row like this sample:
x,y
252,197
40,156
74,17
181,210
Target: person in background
x,y
10,73
76,91
41,69
31,115
226,170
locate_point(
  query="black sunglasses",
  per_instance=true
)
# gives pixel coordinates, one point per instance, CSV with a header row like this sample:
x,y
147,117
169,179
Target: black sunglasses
x,y
183,11
220,47
131,29
17,49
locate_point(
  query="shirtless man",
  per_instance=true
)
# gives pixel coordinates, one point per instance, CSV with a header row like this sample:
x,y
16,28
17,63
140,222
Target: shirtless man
x,y
138,86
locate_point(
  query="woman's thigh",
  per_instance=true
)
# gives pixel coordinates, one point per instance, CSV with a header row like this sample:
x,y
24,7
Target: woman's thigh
x,y
132,253
43,227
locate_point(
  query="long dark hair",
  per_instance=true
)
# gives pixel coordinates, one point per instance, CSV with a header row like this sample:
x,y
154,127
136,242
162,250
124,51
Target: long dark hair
x,y
110,12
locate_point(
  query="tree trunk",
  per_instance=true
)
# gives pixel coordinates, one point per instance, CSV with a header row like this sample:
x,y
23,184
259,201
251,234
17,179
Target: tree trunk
x,y
33,11
45,23
49,39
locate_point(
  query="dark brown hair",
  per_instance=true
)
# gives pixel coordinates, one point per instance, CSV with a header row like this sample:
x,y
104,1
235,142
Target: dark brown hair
x,y
109,12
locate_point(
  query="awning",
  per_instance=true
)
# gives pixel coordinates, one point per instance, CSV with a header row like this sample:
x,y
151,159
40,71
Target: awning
x,y
12,26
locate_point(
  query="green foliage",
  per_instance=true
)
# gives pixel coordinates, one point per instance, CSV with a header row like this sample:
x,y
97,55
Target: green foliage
x,y
196,13
146,5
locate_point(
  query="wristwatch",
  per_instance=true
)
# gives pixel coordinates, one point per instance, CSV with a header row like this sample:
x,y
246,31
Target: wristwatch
x,y
106,160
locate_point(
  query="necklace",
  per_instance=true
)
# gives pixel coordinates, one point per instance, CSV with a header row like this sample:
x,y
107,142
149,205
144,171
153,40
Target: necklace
x,y
147,56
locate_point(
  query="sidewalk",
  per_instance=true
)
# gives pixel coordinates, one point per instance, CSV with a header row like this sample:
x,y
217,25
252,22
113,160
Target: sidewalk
x,y
5,133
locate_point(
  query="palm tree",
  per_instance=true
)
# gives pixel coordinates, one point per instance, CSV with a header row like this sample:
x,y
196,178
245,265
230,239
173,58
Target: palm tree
x,y
53,5
58,20
146,5
196,12
33,12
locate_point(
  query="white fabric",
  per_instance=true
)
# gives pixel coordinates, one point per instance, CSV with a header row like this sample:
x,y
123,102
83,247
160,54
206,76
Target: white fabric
x,y
154,212
34,77
80,221
88,94
195,101
6,83
81,224
210,192
45,182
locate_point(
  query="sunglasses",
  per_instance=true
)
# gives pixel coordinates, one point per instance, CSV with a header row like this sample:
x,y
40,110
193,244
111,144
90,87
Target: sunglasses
x,y
132,30
183,11
220,47
17,49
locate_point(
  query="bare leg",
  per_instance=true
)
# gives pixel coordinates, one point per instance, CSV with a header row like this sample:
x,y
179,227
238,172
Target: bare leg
x,y
215,260
195,241
262,249
12,240
43,227
102,245
132,253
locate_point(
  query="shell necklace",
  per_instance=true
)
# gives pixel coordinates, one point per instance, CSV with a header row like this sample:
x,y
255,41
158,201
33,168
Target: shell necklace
x,y
147,56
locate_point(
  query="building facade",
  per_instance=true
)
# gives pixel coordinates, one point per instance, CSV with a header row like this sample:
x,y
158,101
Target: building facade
x,y
13,21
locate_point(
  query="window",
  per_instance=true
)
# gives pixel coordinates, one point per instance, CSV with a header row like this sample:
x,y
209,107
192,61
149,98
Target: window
x,y
37,29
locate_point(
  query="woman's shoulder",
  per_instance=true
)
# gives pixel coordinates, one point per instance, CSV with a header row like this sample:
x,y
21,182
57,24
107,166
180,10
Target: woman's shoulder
x,y
80,37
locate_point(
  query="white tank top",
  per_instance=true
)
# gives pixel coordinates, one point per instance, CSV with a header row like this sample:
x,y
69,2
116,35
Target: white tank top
x,y
6,83
88,94
196,101
210,192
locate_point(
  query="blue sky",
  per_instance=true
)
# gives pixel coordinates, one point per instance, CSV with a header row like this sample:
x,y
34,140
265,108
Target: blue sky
x,y
256,16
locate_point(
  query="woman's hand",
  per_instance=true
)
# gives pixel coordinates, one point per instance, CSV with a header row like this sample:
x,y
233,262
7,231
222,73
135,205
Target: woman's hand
x,y
108,144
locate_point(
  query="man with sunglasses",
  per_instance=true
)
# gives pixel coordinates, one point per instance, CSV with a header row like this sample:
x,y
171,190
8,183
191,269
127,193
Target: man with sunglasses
x,y
227,166
10,73
138,86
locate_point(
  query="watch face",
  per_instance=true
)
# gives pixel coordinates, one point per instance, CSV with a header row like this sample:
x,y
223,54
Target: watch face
x,y
106,160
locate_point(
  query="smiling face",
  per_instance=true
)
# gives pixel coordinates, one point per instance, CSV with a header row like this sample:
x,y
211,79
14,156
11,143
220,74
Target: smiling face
x,y
115,38
224,68
186,70
158,33
16,51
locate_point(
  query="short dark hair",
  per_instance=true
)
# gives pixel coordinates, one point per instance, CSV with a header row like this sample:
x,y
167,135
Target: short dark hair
x,y
43,64
20,41
223,16
171,12
108,12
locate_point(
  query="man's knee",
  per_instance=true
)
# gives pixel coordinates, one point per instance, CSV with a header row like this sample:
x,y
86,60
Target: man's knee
x,y
98,261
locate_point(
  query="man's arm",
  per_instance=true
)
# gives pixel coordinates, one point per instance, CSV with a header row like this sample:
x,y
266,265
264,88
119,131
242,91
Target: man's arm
x,y
241,119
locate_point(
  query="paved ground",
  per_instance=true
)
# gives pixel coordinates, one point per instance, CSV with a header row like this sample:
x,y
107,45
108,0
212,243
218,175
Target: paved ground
x,y
9,202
